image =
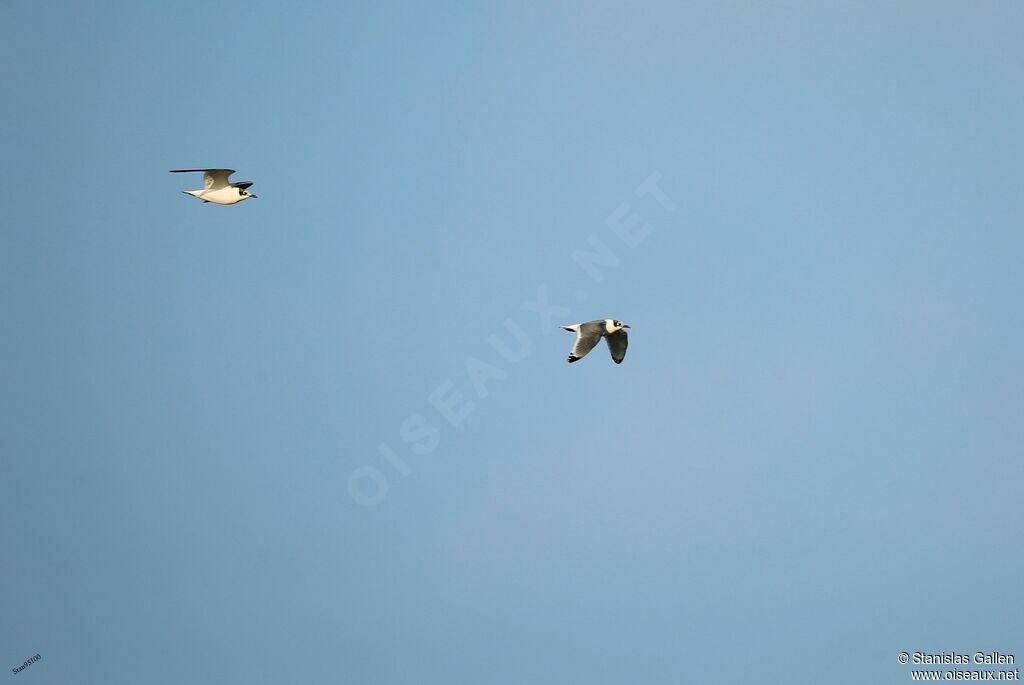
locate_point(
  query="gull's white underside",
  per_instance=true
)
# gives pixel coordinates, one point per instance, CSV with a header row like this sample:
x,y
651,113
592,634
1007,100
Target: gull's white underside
x,y
220,196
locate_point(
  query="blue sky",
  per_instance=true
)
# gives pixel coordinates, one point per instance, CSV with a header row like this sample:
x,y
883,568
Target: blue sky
x,y
809,461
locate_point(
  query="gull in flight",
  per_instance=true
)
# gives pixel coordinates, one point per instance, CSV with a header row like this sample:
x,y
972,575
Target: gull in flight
x,y
217,189
588,334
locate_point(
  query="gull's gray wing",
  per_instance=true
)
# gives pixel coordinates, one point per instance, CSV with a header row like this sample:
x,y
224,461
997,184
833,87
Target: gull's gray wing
x,y
587,336
617,344
213,179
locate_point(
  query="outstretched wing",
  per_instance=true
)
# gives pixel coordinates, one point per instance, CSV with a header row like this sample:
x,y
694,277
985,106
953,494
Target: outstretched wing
x,y
586,338
617,344
242,184
213,179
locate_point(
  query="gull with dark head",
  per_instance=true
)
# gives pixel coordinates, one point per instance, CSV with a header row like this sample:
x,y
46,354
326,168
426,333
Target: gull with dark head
x,y
588,334
218,189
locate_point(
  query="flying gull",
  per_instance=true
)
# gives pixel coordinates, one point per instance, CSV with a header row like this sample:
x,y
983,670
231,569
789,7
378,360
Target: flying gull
x,y
218,190
588,334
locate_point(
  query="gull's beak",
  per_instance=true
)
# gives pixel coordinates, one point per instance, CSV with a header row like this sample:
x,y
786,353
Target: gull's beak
x,y
251,195
625,325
